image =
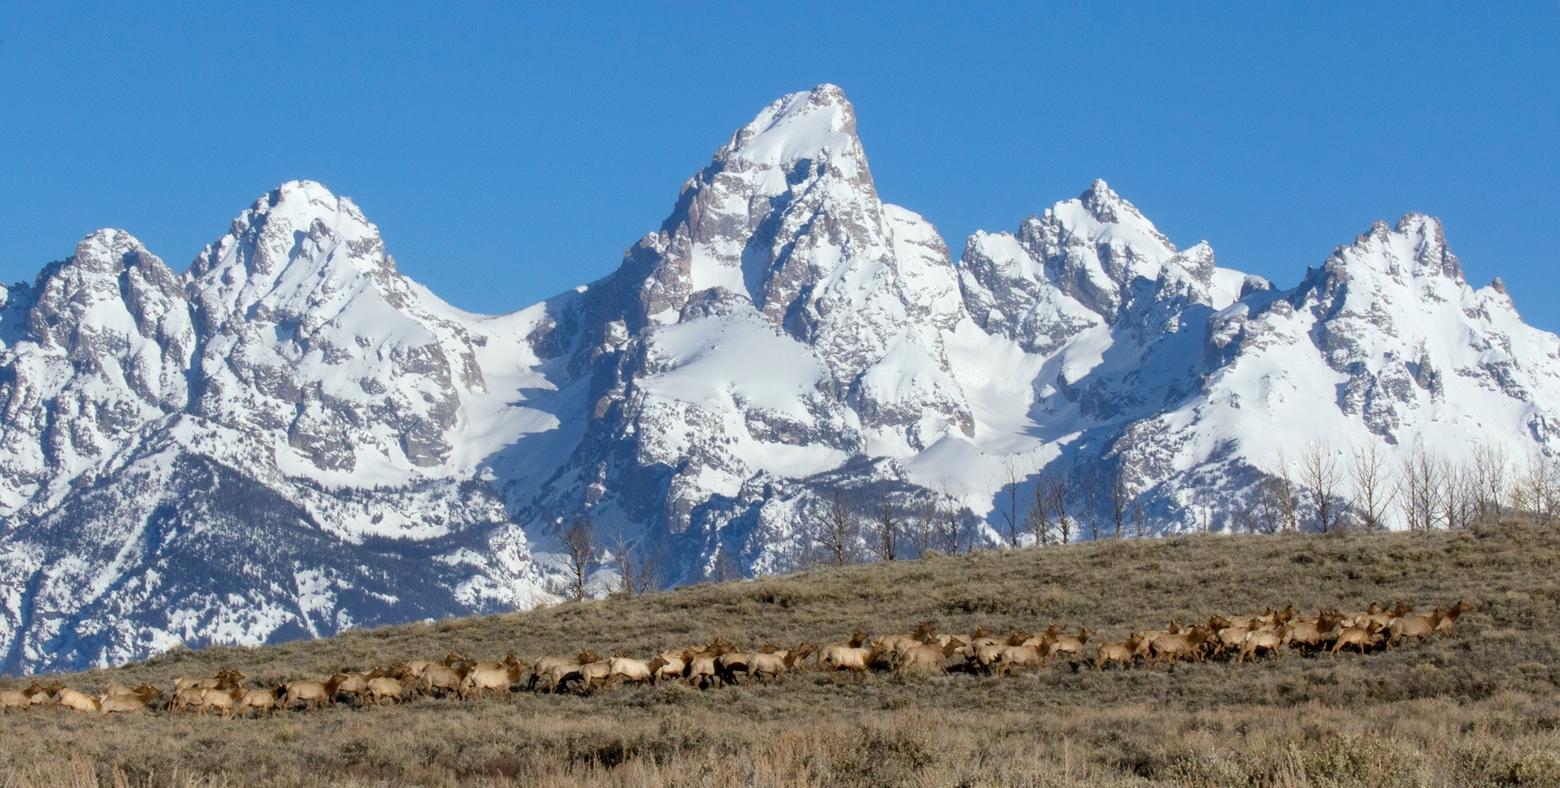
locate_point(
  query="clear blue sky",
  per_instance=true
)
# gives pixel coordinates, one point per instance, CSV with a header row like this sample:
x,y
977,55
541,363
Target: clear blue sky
x,y
509,151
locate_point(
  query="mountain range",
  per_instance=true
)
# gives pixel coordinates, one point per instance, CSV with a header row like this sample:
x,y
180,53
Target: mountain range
x,y
290,438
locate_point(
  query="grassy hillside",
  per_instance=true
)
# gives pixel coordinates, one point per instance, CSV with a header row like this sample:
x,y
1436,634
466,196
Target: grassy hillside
x,y
1482,708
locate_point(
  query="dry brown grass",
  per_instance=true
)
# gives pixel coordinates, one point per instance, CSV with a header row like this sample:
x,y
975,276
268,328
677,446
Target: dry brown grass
x,y
1479,709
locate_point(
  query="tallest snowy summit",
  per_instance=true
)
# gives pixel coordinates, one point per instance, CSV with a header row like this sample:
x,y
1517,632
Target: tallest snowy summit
x,y
803,125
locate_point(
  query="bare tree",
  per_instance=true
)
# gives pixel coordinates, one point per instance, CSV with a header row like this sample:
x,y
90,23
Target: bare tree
x,y
837,531
646,574
1039,519
1373,488
1010,514
887,528
1120,499
1267,512
1139,519
1320,476
619,548
922,528
1489,471
1540,484
1060,497
952,526
579,543
1420,490
1517,494
1286,494
1459,499
950,522
1092,498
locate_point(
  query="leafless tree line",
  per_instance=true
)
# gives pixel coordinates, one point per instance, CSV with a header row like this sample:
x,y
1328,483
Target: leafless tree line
x,y
1326,489
846,535
1321,489
1057,509
637,568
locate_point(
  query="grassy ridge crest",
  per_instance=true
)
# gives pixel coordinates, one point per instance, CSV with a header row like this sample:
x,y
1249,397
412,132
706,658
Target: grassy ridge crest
x,y
1481,708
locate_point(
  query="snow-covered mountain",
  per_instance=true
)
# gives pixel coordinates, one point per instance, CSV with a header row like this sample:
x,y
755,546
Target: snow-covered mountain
x,y
282,442
291,438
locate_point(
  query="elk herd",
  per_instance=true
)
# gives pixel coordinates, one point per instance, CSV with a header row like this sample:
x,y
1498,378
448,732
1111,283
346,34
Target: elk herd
x,y
721,662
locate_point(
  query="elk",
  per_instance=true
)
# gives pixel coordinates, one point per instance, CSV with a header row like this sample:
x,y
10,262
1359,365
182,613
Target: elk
x,y
415,668
489,675
226,678
1263,641
926,658
39,695
120,699
730,663
349,686
222,700
440,679
556,672
700,667
1449,618
1313,633
985,657
381,688
1358,636
1229,638
894,645
1167,648
1118,653
636,671
769,667
121,704
1010,657
1072,646
483,678
186,698
313,694
76,700
1414,626
14,699
261,701
983,637
667,665
852,658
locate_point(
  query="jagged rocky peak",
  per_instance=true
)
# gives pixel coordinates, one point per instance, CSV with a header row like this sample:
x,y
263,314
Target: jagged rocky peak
x,y
780,247
1100,215
1415,248
293,248
1081,262
108,297
95,348
313,331
1106,207
109,250
295,206
810,125
789,194
1096,246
